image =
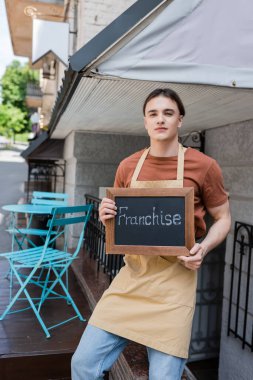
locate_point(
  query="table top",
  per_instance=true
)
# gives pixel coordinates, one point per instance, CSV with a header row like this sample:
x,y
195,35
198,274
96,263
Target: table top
x,y
29,208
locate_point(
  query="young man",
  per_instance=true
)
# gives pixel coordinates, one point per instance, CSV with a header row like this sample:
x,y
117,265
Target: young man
x,y
151,301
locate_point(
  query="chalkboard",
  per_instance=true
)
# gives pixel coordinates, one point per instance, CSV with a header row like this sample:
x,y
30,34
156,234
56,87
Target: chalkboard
x,y
151,221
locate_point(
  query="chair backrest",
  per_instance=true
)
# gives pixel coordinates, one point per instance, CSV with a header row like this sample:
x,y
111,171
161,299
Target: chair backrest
x,y
67,216
49,198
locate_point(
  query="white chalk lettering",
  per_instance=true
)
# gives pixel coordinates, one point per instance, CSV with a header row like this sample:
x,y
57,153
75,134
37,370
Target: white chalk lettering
x,y
134,220
177,219
142,220
168,220
148,216
128,218
162,223
121,216
154,218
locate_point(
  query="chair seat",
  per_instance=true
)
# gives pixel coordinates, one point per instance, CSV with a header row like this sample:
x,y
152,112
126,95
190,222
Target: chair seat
x,y
29,231
28,258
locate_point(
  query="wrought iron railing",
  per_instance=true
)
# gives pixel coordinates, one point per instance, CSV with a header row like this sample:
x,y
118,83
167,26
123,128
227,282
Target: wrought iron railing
x,y
33,89
205,339
240,317
95,242
43,176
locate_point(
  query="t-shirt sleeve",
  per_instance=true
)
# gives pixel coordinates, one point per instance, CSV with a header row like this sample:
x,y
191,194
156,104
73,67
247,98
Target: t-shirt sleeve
x,y
213,192
119,177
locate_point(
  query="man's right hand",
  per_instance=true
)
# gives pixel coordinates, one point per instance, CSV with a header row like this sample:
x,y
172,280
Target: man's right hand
x,y
107,210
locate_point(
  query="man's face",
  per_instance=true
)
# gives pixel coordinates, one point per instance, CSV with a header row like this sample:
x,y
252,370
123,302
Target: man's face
x,y
162,119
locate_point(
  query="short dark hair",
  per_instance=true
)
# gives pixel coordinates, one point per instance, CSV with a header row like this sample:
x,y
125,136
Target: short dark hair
x,y
168,93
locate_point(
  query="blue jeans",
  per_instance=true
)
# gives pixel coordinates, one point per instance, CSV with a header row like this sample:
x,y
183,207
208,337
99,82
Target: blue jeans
x,y
99,349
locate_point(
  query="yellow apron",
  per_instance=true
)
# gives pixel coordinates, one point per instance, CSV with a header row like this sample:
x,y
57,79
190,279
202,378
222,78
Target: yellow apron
x,y
151,301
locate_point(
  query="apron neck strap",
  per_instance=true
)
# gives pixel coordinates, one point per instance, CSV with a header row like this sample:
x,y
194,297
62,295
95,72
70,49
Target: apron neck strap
x,y
139,165
180,164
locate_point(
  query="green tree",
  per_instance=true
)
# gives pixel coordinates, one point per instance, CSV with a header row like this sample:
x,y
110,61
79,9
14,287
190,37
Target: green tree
x,y
12,120
13,85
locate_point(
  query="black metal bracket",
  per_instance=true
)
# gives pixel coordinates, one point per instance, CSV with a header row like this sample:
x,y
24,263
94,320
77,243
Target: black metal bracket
x,y
194,139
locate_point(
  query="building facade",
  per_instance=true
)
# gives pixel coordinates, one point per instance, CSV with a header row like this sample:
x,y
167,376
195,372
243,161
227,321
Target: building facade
x,y
93,149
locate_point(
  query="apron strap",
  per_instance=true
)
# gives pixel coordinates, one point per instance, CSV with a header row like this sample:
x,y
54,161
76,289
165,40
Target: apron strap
x,y
139,165
180,164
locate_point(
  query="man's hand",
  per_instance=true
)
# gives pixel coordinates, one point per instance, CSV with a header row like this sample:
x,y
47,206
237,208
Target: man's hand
x,y
194,261
107,210
216,234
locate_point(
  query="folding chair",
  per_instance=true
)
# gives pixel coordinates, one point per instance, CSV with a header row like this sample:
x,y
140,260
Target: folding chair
x,y
49,198
45,198
30,236
39,198
53,261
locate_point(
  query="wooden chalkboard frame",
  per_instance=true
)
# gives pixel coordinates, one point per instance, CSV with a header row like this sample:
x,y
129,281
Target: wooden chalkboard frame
x,y
186,192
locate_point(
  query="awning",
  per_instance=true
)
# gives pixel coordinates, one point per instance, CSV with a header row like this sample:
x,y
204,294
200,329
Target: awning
x,y
43,148
115,106
194,41
201,48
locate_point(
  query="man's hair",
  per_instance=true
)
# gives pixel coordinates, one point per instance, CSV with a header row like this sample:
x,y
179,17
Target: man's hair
x,y
168,93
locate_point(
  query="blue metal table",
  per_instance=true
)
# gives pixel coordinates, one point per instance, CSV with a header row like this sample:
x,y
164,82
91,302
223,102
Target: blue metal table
x,y
31,210
28,209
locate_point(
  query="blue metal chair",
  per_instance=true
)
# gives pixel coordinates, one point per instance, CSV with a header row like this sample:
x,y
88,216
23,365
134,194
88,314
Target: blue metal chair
x,y
30,236
39,198
45,198
53,261
48,198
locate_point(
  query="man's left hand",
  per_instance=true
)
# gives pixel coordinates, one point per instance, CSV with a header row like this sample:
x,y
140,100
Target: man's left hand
x,y
216,234
194,261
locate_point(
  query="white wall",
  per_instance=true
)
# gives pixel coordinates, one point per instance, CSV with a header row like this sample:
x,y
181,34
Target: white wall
x,y
95,15
232,146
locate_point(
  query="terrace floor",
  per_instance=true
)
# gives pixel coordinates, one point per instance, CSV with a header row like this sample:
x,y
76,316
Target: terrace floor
x,y
25,352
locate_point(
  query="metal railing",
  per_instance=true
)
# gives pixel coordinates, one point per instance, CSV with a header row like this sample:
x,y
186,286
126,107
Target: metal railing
x,y
43,176
240,317
95,242
205,339
33,89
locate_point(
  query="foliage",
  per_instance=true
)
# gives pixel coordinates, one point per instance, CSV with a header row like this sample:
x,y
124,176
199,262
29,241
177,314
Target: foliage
x,y
22,137
12,120
14,114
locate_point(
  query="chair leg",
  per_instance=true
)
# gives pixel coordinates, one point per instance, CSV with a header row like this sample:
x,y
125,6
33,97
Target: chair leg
x,y
15,298
10,275
44,288
68,296
67,281
70,299
37,314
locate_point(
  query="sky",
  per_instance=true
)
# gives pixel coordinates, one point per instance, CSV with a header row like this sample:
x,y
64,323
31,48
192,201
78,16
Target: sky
x,y
6,52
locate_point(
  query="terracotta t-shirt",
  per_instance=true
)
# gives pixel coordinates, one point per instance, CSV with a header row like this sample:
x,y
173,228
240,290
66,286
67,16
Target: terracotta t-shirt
x,y
200,172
